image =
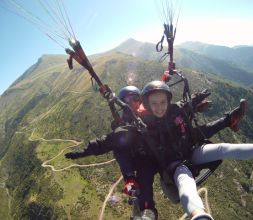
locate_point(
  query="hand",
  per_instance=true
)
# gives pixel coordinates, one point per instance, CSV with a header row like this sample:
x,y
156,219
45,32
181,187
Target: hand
x,y
198,97
72,155
203,106
105,91
116,123
131,187
199,101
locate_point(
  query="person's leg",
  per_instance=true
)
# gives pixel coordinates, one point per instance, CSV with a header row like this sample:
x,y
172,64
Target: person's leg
x,y
232,120
212,128
211,152
145,177
126,163
187,189
189,197
146,171
124,140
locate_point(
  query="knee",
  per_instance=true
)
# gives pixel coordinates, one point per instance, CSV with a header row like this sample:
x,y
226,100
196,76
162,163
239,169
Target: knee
x,y
125,138
182,173
223,148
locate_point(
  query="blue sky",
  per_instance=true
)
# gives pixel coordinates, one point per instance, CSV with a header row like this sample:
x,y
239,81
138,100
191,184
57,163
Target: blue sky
x,y
102,25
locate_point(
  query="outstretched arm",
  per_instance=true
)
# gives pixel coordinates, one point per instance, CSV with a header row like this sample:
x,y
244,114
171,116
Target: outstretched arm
x,y
199,103
97,146
231,119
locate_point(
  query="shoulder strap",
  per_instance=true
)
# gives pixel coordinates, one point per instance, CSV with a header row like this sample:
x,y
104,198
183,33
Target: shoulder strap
x,y
153,147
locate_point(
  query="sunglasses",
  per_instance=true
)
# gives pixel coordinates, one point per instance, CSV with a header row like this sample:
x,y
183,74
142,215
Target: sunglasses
x,y
132,98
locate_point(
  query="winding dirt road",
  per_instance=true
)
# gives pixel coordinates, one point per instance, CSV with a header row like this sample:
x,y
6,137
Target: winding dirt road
x,y
46,164
77,143
101,215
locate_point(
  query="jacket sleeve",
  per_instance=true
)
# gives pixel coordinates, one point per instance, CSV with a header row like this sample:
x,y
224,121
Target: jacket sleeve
x,y
94,147
121,138
100,145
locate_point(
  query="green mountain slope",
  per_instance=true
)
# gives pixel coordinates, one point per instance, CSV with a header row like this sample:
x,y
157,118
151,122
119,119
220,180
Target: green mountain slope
x,y
49,108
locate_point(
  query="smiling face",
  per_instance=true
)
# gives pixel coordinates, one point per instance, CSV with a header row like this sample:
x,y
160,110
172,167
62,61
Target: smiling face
x,y
158,103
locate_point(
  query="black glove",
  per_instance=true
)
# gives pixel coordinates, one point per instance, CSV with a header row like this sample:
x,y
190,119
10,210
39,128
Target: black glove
x,y
116,123
198,97
199,101
73,155
203,106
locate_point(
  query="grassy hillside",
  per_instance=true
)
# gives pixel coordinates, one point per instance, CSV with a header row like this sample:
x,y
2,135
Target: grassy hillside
x,y
60,106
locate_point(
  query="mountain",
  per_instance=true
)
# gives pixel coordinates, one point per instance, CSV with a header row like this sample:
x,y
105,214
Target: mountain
x,y
226,70
49,109
240,56
197,56
138,49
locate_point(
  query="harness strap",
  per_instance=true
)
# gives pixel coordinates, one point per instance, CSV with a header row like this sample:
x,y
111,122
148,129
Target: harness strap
x,y
152,145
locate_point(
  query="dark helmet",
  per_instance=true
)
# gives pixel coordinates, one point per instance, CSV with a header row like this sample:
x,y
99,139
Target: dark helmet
x,y
152,87
129,91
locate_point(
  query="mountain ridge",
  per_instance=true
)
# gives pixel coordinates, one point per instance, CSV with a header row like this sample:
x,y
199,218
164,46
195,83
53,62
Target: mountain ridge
x,y
227,68
238,55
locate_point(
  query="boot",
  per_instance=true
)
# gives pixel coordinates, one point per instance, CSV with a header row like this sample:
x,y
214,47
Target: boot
x,y
202,216
237,114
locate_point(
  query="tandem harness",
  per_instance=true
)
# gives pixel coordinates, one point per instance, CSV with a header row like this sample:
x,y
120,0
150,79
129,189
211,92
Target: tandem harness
x,y
200,172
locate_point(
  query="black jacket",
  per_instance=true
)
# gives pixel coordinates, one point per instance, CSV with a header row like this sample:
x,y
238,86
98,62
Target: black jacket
x,y
171,134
